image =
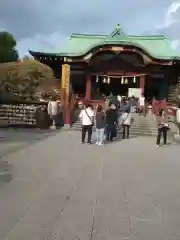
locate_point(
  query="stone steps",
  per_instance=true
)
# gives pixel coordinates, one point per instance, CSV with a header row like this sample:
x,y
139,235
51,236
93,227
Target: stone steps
x,y
144,125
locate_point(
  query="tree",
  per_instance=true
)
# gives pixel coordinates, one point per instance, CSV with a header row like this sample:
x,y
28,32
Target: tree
x,y
8,52
23,78
48,89
27,58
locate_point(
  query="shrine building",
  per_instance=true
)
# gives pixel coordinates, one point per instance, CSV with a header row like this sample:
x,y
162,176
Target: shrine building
x,y
96,65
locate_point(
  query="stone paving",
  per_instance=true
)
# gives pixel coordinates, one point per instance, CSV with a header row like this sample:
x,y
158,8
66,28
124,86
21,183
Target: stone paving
x,y
63,190
12,139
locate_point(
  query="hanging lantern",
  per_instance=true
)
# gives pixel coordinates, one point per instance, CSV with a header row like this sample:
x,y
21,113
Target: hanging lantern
x,y
134,79
104,80
126,81
97,79
108,80
122,80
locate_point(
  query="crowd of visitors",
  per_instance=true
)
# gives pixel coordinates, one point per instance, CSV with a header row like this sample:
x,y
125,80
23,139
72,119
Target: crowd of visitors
x,y
108,119
116,117
113,118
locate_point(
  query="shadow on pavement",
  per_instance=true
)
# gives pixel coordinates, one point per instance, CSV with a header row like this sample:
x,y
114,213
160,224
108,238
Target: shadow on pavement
x,y
5,172
12,140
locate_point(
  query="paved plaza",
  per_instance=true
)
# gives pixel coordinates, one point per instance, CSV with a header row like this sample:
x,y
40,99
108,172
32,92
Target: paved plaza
x,y
62,190
13,139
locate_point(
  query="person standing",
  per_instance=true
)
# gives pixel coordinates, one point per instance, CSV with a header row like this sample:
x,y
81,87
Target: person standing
x,y
126,123
52,109
111,121
119,98
125,106
163,126
87,119
100,125
141,104
178,118
133,104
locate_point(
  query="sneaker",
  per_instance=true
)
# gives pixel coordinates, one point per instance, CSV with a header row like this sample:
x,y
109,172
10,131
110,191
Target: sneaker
x,y
165,145
97,143
89,143
101,144
82,142
157,145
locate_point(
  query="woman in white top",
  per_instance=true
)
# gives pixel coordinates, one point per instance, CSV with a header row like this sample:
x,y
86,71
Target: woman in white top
x,y
126,123
141,104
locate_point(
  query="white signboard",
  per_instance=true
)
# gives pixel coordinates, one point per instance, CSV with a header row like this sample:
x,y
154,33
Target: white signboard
x,y
134,92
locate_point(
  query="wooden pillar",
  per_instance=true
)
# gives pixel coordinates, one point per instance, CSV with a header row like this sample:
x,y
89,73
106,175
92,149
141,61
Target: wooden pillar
x,y
65,85
88,87
142,84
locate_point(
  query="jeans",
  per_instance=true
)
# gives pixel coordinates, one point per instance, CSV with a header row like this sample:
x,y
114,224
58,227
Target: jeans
x,y
111,132
126,131
86,129
162,131
100,135
133,109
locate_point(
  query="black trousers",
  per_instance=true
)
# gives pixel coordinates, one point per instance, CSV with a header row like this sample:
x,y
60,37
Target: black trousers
x,y
86,129
162,131
126,131
111,132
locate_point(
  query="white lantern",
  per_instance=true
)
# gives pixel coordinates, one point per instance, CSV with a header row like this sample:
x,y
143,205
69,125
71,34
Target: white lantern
x,y
122,80
108,80
104,80
97,79
134,79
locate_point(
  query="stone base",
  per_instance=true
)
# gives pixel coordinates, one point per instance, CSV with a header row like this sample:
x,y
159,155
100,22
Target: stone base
x,y
67,126
53,127
177,137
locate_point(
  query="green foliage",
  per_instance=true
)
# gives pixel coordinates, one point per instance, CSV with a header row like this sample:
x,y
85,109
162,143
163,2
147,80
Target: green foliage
x,y
8,52
27,58
22,78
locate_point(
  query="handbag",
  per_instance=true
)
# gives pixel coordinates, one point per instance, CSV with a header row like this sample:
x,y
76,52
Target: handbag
x,y
166,125
89,118
123,120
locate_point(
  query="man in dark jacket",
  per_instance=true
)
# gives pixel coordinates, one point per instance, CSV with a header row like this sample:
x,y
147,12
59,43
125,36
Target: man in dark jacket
x,y
111,121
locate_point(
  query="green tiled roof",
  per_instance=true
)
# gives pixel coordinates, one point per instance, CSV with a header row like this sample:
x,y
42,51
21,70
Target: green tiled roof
x,y
157,46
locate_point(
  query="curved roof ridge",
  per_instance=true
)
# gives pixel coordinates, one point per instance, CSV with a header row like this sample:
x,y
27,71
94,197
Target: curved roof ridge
x,y
161,37
84,35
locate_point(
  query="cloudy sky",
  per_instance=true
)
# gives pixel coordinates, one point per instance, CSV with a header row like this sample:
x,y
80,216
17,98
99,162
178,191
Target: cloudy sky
x,y
42,25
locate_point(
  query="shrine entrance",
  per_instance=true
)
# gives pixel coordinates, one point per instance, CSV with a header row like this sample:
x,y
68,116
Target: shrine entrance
x,y
115,74
114,85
